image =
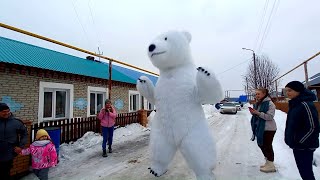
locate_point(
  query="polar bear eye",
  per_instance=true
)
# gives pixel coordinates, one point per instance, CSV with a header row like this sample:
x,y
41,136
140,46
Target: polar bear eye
x,y
165,38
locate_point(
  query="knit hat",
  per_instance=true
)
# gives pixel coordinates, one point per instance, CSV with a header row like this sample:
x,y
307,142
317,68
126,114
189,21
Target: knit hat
x,y
296,86
3,106
107,101
40,133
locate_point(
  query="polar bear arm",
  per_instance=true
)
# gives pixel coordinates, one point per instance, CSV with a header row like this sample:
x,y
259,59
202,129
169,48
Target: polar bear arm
x,y
146,88
208,88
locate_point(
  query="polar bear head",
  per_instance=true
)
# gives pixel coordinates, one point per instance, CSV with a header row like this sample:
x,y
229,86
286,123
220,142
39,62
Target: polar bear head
x,y
170,50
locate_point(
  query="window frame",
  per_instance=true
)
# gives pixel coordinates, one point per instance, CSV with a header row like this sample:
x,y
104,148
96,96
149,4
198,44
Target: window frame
x,y
93,89
54,87
131,92
145,104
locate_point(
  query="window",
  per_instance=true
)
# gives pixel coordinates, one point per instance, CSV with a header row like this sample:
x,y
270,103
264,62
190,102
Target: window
x,y
55,101
142,102
134,103
145,104
96,98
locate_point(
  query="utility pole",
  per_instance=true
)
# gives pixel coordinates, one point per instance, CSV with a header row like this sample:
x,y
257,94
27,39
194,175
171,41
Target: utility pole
x,y
110,74
255,70
110,80
247,88
254,67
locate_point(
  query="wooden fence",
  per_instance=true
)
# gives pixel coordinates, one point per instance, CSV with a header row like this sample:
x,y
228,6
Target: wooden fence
x,y
74,128
71,130
284,106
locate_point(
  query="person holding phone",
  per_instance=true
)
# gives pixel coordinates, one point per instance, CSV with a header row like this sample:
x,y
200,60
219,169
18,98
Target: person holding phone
x,y
107,116
264,127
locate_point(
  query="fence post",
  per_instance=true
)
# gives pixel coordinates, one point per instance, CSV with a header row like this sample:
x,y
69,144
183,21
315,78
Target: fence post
x,y
306,75
142,114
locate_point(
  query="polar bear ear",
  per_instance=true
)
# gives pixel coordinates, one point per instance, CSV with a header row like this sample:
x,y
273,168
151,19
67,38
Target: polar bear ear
x,y
187,35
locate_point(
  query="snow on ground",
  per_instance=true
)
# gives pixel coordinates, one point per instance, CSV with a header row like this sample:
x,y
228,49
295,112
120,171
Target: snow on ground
x,y
238,157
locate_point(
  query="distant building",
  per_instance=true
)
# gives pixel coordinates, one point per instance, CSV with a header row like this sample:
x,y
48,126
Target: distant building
x,y
314,84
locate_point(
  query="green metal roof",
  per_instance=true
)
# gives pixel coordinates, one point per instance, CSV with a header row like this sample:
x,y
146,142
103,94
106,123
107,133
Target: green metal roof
x,y
20,53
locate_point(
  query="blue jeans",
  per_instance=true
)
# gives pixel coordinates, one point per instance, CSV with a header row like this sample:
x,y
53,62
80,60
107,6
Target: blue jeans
x,y
107,134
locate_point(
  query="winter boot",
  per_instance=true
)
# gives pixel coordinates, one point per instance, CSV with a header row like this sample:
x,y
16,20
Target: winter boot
x,y
264,163
110,149
269,167
104,154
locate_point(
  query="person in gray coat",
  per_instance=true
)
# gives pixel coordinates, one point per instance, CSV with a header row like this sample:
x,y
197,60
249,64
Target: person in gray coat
x,y
13,134
264,127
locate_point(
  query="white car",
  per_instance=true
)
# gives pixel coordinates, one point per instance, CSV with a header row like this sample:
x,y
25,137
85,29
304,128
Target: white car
x,y
238,105
228,107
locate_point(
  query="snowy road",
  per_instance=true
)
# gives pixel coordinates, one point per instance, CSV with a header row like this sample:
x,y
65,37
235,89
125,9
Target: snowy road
x,y
238,157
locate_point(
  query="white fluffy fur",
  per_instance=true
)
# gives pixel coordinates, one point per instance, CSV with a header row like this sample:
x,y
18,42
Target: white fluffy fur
x,y
180,122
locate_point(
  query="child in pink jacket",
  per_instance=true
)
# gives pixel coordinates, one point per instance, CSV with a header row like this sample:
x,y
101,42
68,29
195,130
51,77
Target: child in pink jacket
x,y
43,154
107,118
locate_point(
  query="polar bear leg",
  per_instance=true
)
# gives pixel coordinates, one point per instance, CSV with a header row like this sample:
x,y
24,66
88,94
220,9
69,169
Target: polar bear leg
x,y
198,148
162,152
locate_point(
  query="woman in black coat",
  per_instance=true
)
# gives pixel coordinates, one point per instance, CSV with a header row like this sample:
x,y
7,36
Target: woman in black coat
x,y
302,127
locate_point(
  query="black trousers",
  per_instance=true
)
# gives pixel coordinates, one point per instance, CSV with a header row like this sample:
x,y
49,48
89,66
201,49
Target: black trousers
x,y
304,159
42,174
5,167
267,148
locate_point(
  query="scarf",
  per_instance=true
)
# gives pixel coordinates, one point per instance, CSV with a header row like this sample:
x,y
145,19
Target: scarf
x,y
258,124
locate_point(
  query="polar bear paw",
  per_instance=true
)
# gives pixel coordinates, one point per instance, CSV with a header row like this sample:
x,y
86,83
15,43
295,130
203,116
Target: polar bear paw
x,y
157,172
204,71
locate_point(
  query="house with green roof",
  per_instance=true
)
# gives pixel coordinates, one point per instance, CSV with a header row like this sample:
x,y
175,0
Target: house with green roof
x,y
40,84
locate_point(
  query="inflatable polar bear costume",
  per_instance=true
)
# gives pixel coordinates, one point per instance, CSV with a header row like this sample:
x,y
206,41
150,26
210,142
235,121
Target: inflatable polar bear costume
x,y
180,122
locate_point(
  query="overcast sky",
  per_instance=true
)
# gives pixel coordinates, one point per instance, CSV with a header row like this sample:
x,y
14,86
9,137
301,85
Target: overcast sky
x,y
123,29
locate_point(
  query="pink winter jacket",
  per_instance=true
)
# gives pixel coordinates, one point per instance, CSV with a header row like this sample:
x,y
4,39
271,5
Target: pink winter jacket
x,y
43,154
107,119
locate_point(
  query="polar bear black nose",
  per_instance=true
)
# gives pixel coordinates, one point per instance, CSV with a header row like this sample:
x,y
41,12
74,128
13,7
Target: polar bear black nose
x,y
152,47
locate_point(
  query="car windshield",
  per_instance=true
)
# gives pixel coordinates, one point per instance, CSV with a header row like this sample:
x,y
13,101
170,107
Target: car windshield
x,y
228,104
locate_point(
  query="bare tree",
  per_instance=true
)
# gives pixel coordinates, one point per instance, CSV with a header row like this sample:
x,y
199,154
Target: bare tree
x,y
266,71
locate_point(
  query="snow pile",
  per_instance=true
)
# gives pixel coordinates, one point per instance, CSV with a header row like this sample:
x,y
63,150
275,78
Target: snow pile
x,y
87,141
131,130
92,140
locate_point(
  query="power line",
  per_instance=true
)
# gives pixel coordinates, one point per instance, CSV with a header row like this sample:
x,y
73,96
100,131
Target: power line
x,y
266,4
93,22
268,23
234,66
85,33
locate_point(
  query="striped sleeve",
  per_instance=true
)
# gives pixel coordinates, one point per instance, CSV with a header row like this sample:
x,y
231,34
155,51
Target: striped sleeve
x,y
310,121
